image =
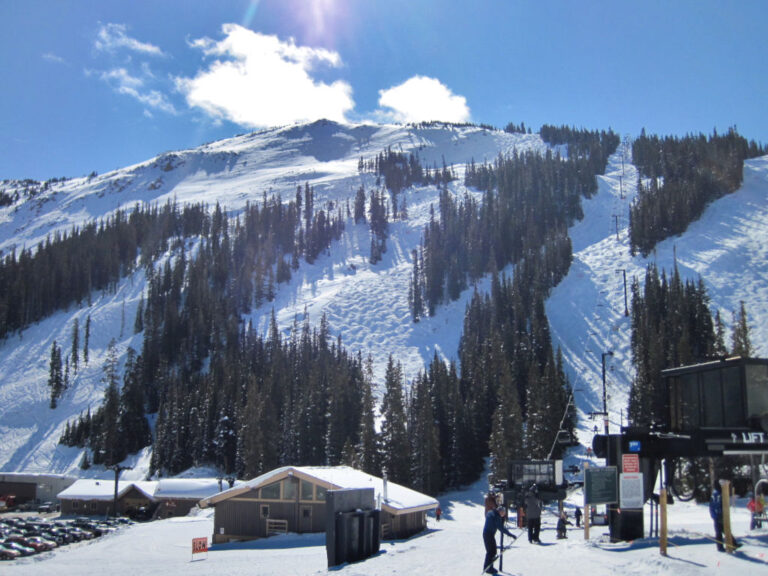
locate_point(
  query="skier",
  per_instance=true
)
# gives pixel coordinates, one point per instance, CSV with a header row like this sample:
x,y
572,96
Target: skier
x,y
716,513
561,523
438,513
756,508
494,520
533,514
577,515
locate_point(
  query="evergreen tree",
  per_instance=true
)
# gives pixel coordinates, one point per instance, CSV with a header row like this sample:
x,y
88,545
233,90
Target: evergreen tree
x,y
367,456
75,353
133,427
87,338
719,347
55,375
394,436
426,472
505,443
740,341
108,447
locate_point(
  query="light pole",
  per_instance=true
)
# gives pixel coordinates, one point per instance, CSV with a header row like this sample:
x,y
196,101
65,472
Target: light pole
x,y
626,307
117,469
605,398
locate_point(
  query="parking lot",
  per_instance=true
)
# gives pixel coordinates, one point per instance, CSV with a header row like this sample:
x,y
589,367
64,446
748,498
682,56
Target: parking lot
x,y
30,533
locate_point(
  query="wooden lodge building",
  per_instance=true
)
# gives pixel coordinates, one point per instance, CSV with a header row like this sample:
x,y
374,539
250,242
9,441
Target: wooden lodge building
x,y
292,499
97,497
142,499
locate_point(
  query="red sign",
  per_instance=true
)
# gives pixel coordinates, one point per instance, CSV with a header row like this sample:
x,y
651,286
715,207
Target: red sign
x,y
199,545
630,463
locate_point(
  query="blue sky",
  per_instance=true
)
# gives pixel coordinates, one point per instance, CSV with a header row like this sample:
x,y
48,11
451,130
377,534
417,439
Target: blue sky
x,y
101,84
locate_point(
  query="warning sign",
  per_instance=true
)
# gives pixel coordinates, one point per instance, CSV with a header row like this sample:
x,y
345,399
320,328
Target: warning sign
x,y
199,545
630,463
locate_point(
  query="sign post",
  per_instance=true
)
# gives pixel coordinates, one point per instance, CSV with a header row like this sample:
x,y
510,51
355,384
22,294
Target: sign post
x,y
586,507
200,546
727,534
663,537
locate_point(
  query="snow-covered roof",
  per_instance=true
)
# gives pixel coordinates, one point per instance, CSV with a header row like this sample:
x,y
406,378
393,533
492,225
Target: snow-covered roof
x,y
89,489
189,488
399,499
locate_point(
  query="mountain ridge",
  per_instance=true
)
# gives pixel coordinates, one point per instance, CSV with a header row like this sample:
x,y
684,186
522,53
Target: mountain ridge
x,y
365,304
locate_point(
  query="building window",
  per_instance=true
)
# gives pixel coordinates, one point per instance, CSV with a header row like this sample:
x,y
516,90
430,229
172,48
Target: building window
x,y
265,511
307,490
289,489
320,493
271,492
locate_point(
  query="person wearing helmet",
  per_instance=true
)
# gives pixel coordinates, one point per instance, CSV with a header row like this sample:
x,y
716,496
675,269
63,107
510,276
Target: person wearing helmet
x,y
533,514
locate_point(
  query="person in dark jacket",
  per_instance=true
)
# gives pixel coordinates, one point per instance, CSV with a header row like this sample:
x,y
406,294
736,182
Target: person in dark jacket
x,y
577,515
562,522
533,514
494,521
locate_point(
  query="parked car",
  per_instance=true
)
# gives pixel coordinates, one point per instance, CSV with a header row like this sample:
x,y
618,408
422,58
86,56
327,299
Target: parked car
x,y
42,542
28,543
8,553
80,534
23,550
46,508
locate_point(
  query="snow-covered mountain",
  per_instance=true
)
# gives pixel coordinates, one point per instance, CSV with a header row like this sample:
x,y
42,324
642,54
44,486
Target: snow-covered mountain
x,y
367,305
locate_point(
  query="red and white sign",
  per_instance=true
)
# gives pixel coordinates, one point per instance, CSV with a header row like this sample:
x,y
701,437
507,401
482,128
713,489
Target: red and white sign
x,y
199,545
630,463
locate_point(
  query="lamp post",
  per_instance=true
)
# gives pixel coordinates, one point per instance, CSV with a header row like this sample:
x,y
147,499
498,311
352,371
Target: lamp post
x,y
117,469
605,397
626,306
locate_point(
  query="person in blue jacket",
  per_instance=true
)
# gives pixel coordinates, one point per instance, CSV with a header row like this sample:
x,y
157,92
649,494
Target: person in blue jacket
x,y
494,521
716,513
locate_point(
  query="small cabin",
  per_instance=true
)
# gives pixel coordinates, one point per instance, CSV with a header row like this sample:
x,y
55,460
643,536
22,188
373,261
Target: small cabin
x,y
97,497
293,499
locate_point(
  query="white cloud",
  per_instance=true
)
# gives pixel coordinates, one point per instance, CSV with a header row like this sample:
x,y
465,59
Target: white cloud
x,y
421,99
112,37
55,58
123,83
258,80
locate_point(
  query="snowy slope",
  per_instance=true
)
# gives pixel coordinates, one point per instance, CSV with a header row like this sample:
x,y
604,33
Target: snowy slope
x,y
366,305
727,247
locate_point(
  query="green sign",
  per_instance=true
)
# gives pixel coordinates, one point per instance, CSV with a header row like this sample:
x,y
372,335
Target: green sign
x,y
601,485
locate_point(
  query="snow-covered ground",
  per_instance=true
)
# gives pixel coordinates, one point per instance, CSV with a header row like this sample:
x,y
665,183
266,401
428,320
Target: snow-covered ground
x,y
451,547
367,304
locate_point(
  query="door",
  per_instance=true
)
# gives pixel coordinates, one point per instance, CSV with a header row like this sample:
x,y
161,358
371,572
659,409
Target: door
x,y
305,519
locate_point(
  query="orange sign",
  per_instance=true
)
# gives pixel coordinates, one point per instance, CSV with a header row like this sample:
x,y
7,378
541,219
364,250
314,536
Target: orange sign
x,y
630,463
199,545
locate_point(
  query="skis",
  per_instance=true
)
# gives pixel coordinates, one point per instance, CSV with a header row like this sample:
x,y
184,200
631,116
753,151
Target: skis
x,y
490,564
499,555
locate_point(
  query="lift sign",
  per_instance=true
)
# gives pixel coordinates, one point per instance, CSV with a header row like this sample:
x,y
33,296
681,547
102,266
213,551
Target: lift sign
x,y
634,445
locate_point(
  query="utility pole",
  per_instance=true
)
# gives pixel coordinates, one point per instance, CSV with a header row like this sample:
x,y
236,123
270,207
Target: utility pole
x,y
605,396
117,469
626,305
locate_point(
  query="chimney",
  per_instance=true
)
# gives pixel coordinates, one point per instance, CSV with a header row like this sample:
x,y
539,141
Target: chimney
x,y
386,499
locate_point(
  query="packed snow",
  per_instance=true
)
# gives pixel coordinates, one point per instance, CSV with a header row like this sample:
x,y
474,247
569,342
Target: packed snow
x,y
451,547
